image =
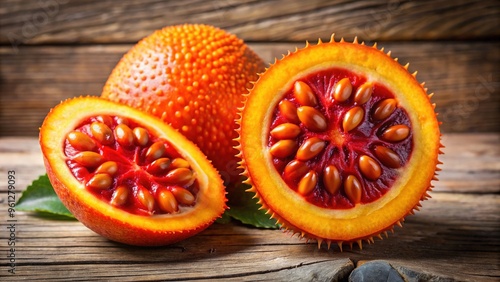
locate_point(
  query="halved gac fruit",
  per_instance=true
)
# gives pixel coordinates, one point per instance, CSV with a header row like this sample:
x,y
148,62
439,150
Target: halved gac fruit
x,y
127,175
339,142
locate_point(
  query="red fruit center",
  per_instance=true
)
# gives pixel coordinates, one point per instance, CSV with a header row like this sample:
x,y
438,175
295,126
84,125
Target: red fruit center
x,y
339,139
122,163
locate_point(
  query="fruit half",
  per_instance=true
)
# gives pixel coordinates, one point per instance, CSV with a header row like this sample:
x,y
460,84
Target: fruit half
x,y
128,176
193,77
339,142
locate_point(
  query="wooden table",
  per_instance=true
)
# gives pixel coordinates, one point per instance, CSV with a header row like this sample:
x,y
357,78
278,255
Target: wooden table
x,y
53,49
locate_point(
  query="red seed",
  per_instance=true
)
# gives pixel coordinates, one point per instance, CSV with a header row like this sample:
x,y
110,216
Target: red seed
x,y
124,135
81,141
307,183
283,148
289,111
88,159
343,90
384,109
396,133
183,196
304,94
141,136
102,133
100,181
295,169
313,119
353,118
363,93
285,131
369,167
155,151
180,176
120,196
331,179
166,201
353,189
310,148
388,157
145,198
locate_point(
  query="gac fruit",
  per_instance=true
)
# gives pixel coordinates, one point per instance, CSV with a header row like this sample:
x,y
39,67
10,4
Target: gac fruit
x,y
192,77
339,142
127,175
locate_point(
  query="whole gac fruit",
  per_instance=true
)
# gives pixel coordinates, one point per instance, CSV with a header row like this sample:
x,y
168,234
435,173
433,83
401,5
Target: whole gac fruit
x,y
192,77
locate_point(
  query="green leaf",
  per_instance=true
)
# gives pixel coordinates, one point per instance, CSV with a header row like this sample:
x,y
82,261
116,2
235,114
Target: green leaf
x,y
247,210
224,219
41,198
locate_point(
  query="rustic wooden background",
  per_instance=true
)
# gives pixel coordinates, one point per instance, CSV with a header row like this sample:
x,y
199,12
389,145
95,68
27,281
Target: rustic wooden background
x,y
54,49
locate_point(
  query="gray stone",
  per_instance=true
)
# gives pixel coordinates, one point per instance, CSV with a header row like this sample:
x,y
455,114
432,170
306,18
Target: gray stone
x,y
375,271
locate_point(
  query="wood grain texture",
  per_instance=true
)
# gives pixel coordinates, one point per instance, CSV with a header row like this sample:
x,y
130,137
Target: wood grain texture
x,y
63,22
454,237
464,77
470,164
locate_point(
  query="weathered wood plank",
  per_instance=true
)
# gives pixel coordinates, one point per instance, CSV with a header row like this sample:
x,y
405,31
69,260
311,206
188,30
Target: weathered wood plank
x,y
451,230
62,21
22,155
471,164
464,76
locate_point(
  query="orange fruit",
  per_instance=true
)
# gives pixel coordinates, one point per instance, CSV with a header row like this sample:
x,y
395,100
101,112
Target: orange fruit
x,y
339,142
127,175
193,77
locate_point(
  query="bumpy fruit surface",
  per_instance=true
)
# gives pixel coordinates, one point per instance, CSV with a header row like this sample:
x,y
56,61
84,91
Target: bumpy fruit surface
x,y
339,142
127,175
193,77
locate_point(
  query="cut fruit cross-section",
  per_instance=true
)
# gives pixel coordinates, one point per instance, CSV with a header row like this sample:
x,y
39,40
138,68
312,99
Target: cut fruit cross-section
x,y
127,175
357,140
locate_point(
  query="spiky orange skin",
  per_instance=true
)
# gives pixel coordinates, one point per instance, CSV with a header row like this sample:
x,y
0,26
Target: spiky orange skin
x,y
193,77
363,221
113,222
